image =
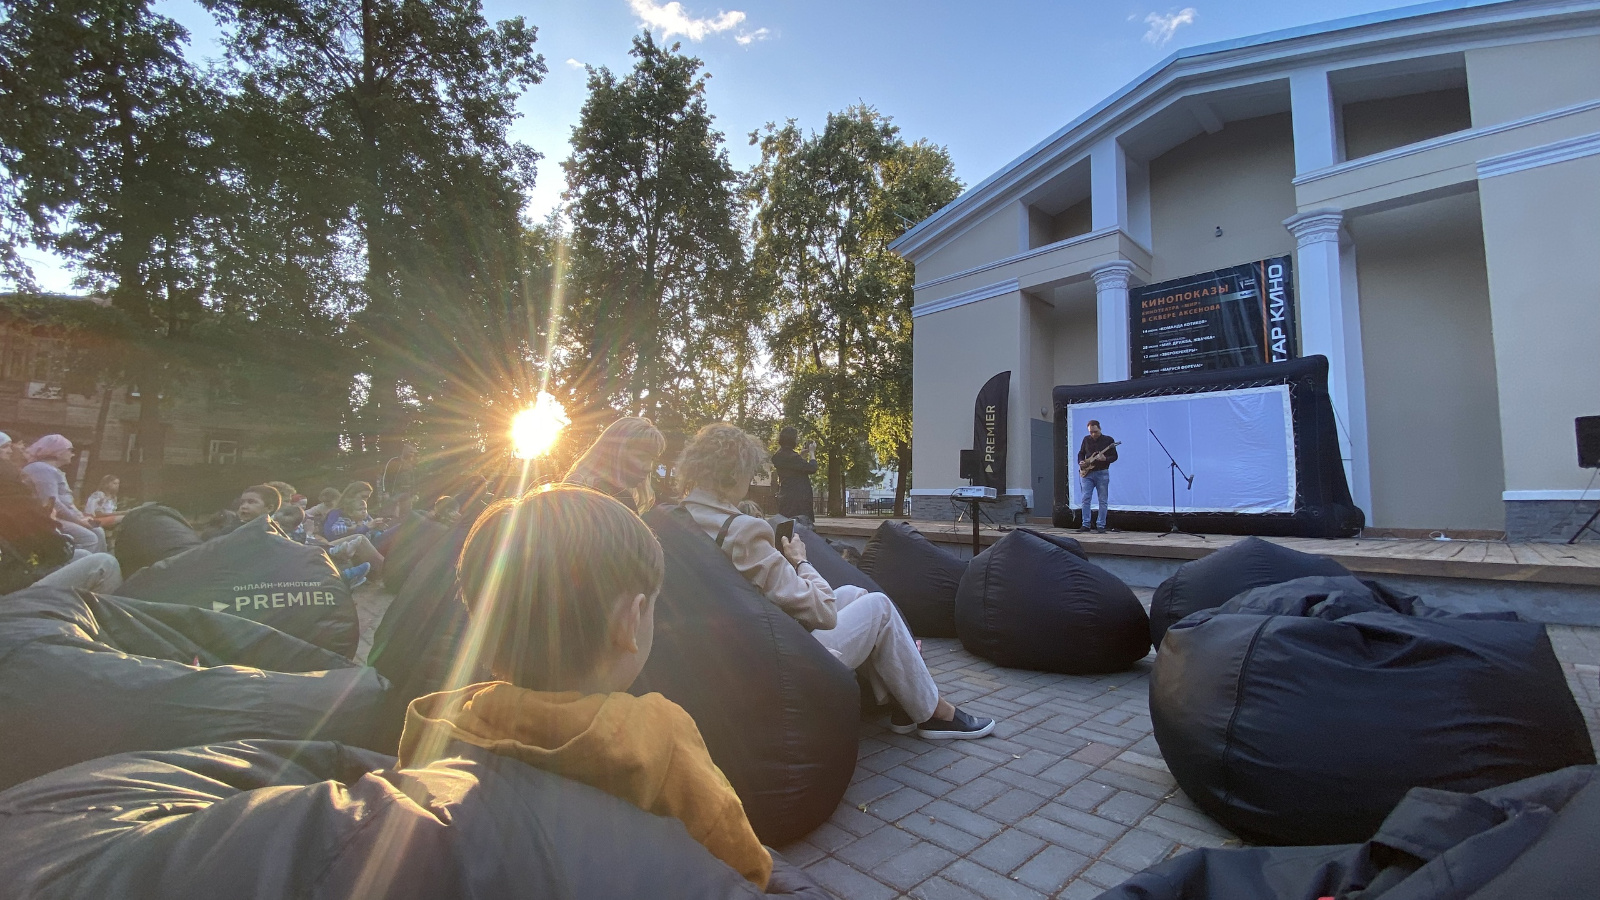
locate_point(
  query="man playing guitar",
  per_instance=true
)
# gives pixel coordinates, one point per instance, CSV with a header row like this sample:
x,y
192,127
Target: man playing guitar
x,y
1095,456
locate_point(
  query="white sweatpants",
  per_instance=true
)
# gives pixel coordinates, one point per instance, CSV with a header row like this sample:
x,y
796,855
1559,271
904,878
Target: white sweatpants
x,y
97,572
871,636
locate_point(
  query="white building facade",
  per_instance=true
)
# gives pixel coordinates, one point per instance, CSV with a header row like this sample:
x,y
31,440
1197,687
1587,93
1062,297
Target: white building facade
x,y
1433,171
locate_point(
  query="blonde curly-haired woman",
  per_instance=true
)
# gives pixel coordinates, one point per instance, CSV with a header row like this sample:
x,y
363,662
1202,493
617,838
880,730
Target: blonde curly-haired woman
x,y
861,627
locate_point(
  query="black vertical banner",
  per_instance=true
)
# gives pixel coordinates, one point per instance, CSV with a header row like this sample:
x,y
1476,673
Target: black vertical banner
x,y
989,424
1239,316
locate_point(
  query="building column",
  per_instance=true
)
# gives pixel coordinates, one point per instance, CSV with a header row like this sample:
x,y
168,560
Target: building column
x,y
1111,318
1316,121
1108,185
1330,325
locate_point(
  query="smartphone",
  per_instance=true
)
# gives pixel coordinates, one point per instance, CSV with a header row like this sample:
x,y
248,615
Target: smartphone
x,y
782,531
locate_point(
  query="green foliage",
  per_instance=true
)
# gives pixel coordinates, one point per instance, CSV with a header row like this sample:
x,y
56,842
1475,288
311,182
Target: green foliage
x,y
659,318
326,228
397,112
102,128
827,206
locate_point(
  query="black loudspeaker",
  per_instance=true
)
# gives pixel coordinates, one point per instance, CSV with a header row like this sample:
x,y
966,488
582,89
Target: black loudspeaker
x,y
1588,441
969,464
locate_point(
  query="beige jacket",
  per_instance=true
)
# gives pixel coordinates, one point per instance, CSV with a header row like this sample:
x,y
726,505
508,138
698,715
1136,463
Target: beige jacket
x,y
801,592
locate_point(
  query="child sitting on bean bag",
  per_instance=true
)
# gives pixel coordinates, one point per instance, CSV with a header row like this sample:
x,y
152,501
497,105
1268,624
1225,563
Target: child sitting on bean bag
x,y
561,587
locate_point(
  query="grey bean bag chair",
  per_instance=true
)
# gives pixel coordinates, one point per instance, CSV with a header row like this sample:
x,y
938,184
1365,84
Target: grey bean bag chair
x,y
919,576
1034,601
257,573
1213,580
1303,712
269,820
1532,838
83,675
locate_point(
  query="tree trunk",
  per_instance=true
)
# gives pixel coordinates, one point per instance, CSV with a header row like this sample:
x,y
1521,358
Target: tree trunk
x,y
148,444
836,481
902,480
99,430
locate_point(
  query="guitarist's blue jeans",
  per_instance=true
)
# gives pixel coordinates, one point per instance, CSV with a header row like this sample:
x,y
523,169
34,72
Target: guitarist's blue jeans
x,y
1096,481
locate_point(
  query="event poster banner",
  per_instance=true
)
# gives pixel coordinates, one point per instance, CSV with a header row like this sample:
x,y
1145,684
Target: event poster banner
x,y
1239,316
989,422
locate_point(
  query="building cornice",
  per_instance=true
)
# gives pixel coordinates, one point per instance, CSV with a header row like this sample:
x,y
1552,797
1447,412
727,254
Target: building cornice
x,y
962,299
1544,155
1025,255
1281,51
1445,140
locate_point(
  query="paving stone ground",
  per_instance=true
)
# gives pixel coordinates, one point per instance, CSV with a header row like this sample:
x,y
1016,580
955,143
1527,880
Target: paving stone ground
x,y
1069,797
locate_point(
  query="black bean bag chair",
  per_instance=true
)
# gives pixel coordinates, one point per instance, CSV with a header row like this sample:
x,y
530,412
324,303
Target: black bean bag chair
x,y
1301,713
150,533
416,644
266,820
830,564
412,540
1533,838
257,573
1213,580
83,675
918,576
778,711
1034,601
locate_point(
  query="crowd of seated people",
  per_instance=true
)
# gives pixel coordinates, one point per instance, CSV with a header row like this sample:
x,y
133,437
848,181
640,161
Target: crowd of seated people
x,y
563,649
46,538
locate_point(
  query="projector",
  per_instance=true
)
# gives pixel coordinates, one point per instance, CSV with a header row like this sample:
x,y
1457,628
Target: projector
x,y
973,492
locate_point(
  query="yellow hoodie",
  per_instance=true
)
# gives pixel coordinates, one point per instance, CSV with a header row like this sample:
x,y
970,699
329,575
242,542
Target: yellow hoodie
x,y
645,750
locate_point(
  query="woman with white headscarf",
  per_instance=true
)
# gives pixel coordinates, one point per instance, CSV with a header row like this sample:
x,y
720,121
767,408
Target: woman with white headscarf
x,y
33,550
48,457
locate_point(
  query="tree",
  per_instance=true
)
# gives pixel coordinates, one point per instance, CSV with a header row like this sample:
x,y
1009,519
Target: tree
x,y
917,180
102,131
403,106
828,205
659,317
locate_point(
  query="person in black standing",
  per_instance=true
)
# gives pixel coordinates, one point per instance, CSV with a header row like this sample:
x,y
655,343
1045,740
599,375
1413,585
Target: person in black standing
x,y
794,473
1095,456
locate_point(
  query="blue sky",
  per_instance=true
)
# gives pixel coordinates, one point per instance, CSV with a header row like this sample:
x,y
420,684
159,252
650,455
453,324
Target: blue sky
x,y
986,80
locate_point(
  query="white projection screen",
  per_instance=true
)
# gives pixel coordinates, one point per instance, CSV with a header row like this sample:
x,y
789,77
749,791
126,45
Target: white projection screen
x,y
1238,445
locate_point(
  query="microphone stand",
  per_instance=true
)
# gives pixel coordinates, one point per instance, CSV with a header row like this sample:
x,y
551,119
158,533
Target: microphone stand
x,y
1174,470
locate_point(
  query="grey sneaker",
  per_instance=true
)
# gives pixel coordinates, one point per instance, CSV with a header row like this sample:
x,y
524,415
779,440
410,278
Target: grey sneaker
x,y
962,727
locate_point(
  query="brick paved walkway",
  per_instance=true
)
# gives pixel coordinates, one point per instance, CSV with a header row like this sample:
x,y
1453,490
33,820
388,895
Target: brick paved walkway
x,y
1070,797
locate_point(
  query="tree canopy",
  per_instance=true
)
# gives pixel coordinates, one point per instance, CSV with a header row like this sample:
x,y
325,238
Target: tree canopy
x,y
658,314
329,222
827,206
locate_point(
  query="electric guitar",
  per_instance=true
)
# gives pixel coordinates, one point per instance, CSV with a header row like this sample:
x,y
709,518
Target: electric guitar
x,y
1097,456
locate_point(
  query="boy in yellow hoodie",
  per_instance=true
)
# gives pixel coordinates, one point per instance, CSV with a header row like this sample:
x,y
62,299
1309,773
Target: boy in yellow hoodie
x,y
562,584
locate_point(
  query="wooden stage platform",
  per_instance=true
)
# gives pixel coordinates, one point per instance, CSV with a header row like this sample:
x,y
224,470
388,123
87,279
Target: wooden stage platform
x,y
1543,564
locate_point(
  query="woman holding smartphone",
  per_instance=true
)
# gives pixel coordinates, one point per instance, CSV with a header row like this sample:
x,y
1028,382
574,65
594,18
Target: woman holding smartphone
x,y
861,627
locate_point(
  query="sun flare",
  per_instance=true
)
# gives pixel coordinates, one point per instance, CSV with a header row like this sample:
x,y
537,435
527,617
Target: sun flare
x,y
535,429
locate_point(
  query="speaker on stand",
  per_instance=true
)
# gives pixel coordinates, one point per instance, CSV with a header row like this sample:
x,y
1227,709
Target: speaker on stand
x,y
1588,428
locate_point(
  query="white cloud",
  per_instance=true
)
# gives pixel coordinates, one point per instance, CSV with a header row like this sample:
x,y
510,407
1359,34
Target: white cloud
x,y
669,19
1163,27
746,38
575,63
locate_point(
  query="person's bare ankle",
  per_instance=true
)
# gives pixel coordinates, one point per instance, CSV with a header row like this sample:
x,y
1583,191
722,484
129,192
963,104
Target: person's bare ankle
x,y
945,711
